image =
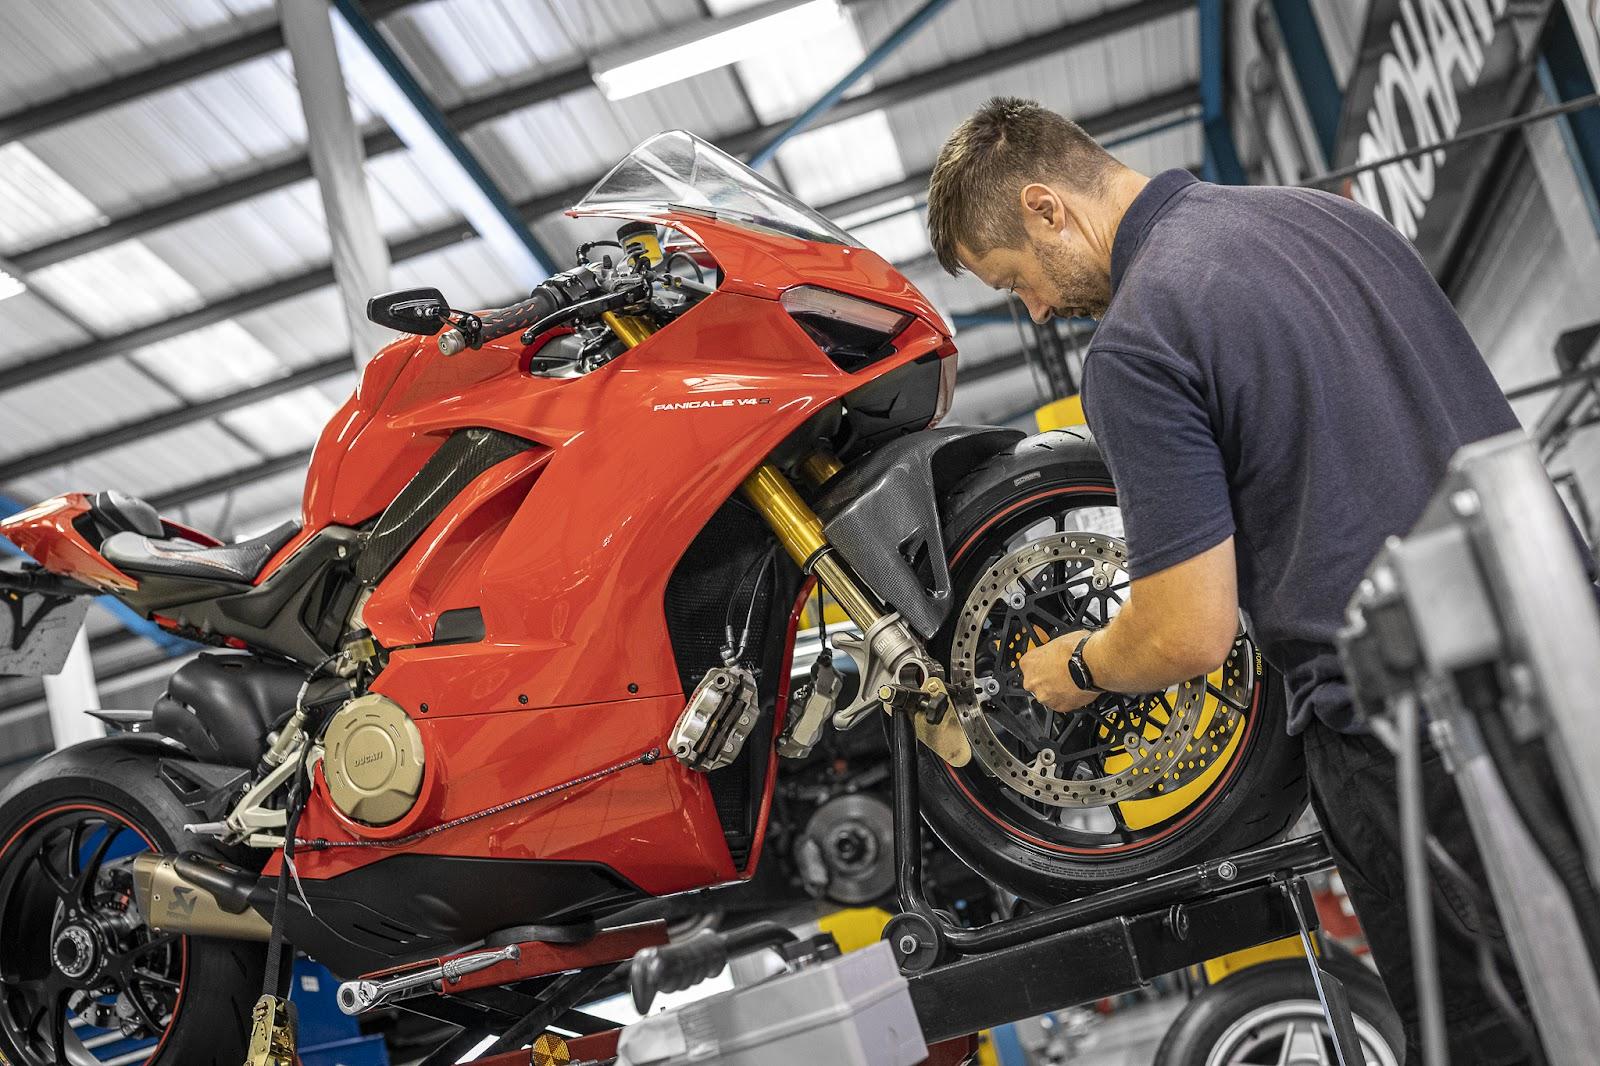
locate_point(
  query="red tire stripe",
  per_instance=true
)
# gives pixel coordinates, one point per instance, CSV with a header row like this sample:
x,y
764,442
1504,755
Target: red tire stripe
x,y
183,941
1015,831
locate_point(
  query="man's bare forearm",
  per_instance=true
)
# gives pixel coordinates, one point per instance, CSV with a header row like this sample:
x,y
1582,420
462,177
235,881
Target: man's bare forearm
x,y
1130,655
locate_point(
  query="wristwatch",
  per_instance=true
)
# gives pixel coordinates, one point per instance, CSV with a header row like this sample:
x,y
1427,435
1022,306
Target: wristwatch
x,y
1081,674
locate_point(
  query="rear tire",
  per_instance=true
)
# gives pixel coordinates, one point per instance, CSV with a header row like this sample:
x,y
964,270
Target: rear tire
x,y
105,783
1259,798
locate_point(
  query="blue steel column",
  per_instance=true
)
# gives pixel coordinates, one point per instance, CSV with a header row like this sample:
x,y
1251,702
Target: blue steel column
x,y
1308,55
1222,154
897,37
378,47
1564,75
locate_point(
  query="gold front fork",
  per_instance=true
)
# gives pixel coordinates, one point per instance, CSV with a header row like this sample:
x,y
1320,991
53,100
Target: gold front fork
x,y
799,530
630,329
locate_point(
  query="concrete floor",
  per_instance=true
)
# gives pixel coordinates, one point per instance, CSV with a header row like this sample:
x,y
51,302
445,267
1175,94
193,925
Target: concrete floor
x,y
1127,1038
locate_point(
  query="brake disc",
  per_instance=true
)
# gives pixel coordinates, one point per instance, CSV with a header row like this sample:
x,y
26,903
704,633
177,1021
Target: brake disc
x,y
1058,583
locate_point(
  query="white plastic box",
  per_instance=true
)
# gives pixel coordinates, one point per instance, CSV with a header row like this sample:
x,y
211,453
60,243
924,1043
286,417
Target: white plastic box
x,y
854,1010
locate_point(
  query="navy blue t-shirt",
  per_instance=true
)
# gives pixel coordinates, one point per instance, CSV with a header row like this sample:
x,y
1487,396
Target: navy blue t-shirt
x,y
1278,364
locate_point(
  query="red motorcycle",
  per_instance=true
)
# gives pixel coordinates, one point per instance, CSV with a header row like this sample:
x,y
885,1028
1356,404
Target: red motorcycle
x,y
524,661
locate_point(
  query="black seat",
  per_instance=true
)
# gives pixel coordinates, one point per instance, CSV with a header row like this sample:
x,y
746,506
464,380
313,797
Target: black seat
x,y
141,553
117,512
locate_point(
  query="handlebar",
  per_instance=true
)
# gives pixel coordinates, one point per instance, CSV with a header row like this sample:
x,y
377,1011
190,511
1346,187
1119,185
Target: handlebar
x,y
519,316
548,298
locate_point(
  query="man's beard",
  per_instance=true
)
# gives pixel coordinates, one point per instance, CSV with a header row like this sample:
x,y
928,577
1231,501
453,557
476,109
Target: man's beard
x,y
1080,289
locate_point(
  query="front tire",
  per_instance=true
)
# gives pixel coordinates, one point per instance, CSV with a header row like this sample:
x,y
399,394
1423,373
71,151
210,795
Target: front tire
x,y
1058,478
78,965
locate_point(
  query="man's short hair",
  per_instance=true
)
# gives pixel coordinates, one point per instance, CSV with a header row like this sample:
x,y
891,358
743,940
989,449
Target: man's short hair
x,y
1008,144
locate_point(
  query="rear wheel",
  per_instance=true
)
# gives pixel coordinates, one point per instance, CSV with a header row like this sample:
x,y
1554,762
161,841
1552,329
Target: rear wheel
x,y
83,979
1058,806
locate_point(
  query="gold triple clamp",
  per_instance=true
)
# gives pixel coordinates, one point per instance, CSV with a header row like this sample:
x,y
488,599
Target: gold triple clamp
x,y
800,532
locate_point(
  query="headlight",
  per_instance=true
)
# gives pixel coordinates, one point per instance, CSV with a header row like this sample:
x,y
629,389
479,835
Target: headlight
x,y
852,332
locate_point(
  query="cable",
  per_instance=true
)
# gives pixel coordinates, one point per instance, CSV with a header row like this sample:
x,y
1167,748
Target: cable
x,y
729,655
1491,951
1492,128
1419,900
699,275
1544,821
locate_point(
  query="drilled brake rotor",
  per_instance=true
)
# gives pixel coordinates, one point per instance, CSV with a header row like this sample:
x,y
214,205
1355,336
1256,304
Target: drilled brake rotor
x,y
1050,586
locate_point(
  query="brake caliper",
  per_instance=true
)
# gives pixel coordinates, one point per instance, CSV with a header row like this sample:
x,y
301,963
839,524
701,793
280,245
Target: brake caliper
x,y
717,720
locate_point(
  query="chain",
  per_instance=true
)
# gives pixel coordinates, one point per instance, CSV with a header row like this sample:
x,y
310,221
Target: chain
x,y
422,834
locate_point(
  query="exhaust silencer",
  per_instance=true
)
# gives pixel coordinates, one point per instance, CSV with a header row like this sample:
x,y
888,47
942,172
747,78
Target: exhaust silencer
x,y
182,894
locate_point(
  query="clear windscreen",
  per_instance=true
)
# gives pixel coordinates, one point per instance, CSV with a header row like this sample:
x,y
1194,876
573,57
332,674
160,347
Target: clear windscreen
x,y
678,171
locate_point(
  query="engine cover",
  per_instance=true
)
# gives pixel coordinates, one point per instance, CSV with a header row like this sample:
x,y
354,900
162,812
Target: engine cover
x,y
372,760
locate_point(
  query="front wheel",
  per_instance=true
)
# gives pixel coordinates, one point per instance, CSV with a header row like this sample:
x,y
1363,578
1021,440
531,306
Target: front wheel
x,y
1057,806
83,979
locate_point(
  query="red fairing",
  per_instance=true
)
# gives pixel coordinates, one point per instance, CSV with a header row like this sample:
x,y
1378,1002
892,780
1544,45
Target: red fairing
x,y
566,549
47,531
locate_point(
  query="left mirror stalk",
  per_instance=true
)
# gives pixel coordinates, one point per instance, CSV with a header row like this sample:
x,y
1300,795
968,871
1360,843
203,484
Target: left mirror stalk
x,y
419,311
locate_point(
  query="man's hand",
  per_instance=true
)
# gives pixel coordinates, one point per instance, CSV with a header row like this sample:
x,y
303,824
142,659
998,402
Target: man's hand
x,y
1045,674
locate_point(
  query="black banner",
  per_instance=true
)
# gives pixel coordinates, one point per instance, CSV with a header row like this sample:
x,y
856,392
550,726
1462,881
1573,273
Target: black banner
x,y
1428,70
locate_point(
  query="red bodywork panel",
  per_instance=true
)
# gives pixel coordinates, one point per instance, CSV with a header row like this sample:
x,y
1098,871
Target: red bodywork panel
x,y
46,532
566,550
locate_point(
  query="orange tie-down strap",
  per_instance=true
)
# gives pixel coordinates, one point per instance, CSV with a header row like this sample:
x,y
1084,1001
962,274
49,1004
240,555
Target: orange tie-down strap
x,y
551,1050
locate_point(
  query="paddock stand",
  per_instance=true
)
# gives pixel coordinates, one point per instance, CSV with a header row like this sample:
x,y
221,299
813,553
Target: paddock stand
x,y
962,980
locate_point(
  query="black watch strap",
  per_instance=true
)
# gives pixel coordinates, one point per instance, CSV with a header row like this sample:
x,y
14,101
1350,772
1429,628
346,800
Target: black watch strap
x,y
1082,676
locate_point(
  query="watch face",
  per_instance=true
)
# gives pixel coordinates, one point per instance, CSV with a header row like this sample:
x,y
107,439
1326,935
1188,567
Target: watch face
x,y
1075,668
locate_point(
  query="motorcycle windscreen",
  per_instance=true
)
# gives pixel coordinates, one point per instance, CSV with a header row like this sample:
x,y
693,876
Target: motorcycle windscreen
x,y
37,631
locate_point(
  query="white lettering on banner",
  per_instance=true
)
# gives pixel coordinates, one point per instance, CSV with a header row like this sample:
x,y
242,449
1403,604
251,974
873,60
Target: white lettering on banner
x,y
1433,54
1586,24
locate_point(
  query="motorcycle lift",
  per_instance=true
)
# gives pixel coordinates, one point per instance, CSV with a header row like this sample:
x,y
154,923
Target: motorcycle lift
x,y
960,980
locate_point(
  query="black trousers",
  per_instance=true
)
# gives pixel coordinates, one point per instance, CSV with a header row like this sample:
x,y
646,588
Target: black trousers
x,y
1352,782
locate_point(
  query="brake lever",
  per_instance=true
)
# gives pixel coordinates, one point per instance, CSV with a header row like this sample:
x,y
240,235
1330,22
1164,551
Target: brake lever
x,y
605,302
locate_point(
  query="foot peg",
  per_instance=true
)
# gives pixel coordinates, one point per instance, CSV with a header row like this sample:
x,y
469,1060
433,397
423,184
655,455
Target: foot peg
x,y
357,997
272,1033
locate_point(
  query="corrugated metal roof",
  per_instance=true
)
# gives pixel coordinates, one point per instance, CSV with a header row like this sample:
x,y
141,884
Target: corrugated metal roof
x,y
242,118
50,47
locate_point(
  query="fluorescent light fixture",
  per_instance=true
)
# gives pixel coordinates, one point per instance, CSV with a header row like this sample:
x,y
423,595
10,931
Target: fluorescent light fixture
x,y
877,213
707,45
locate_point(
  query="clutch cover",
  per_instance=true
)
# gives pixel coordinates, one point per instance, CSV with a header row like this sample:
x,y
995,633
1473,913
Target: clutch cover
x,y
372,760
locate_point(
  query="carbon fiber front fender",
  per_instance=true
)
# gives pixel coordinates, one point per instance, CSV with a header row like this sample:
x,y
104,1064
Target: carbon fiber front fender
x,y
882,516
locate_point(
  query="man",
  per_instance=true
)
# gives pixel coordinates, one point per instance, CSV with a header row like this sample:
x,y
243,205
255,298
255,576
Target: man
x,y
1277,384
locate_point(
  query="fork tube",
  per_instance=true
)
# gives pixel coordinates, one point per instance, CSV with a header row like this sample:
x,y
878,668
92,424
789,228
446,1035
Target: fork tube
x,y
799,530
820,466
630,329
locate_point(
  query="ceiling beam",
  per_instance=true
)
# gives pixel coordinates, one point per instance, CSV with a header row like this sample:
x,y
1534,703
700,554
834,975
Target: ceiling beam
x,y
897,37
306,281
916,185
162,74
94,351
233,479
70,451
379,139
